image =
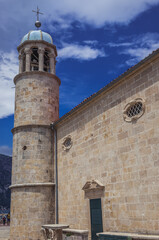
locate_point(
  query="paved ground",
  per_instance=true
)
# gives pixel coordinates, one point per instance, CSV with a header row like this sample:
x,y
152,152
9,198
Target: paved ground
x,y
4,232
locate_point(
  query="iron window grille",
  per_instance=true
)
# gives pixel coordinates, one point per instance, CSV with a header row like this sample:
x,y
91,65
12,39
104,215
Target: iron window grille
x,y
134,110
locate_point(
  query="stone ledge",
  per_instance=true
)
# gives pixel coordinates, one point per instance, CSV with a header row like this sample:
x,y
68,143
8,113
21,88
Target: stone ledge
x,y
32,185
55,226
76,231
30,126
131,235
42,73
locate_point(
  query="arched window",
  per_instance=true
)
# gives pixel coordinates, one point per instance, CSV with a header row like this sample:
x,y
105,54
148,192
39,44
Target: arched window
x,y
46,61
34,65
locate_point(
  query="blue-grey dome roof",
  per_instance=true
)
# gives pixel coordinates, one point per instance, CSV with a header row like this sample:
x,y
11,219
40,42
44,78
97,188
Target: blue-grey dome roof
x,y
37,35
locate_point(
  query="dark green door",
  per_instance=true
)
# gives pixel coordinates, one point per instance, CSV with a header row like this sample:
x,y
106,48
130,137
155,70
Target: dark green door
x,y
96,217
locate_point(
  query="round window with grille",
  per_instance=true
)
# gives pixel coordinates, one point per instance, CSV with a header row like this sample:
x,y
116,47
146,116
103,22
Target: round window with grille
x,y
134,110
67,143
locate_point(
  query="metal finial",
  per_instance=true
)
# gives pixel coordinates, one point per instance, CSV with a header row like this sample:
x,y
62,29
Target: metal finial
x,y
37,23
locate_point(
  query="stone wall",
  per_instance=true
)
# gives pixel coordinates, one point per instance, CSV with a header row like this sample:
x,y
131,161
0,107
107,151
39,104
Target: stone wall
x,y
37,98
31,207
123,156
33,187
33,195
32,155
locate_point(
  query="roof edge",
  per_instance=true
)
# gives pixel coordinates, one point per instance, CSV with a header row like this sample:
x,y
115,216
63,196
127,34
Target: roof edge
x,y
113,83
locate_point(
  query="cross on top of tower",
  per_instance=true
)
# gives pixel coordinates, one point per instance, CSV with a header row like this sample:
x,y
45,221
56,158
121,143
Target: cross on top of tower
x,y
37,23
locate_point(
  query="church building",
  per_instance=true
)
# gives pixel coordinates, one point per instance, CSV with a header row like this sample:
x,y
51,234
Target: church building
x,y
97,167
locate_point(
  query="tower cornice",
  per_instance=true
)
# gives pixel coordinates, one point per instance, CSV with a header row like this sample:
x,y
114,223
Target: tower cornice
x,y
24,185
29,126
32,42
31,73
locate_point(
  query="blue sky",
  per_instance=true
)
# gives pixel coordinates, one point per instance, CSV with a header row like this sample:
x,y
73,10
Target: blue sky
x,y
97,40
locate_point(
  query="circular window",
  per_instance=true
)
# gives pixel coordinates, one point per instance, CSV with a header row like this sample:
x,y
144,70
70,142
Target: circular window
x,y
67,143
134,110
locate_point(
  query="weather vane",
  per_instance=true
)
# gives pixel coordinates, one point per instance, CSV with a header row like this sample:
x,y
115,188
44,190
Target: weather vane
x,y
37,23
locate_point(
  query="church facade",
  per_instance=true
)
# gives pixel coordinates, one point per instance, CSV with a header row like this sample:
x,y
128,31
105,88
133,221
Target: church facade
x,y
113,155
95,168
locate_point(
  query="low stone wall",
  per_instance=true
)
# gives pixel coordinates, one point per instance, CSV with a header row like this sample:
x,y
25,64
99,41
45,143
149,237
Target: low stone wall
x,y
125,236
74,234
4,232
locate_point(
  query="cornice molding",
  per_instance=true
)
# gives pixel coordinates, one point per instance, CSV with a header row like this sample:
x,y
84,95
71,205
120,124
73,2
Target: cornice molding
x,y
32,42
29,126
48,184
31,73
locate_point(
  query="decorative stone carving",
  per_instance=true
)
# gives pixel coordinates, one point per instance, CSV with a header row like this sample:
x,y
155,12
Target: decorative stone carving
x,y
93,189
27,51
53,231
93,185
134,110
41,50
51,55
48,234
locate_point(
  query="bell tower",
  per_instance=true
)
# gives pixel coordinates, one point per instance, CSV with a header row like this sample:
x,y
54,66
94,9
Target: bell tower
x,y
36,107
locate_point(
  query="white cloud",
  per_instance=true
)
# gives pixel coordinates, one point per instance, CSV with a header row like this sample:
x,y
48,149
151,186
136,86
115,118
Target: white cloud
x,y
99,12
79,52
119,44
91,42
18,21
138,47
143,46
6,150
138,54
8,69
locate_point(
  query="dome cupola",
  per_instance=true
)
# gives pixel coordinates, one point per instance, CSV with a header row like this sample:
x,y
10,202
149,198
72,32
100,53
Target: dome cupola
x,y
37,51
37,35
